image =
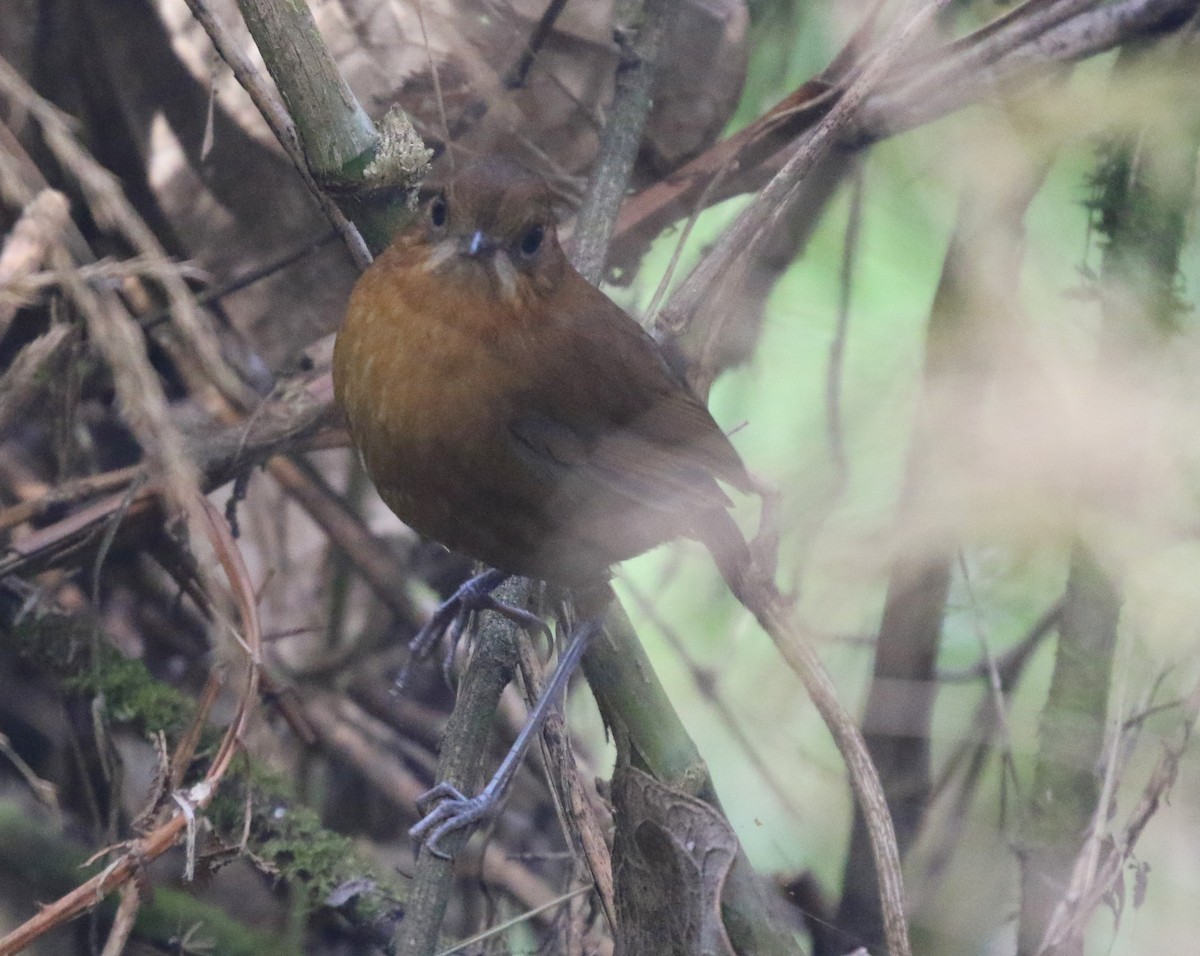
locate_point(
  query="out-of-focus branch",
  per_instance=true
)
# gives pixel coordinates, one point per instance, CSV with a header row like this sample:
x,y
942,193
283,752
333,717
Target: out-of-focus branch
x,y
971,72
370,557
1144,182
23,381
279,121
28,244
971,318
289,421
111,208
1013,52
119,339
1070,746
639,51
740,241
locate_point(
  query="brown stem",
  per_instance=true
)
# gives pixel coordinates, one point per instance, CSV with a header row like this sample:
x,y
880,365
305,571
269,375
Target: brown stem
x,y
493,662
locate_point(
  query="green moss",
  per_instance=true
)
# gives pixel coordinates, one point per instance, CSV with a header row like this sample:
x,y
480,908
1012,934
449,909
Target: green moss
x,y
290,840
286,838
133,697
49,864
175,913
66,647
307,854
1141,218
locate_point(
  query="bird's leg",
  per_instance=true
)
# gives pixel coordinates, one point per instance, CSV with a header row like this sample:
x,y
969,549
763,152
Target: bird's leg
x,y
450,809
473,595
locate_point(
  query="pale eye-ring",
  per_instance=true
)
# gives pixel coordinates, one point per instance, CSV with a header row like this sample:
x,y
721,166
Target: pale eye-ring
x,y
531,242
437,211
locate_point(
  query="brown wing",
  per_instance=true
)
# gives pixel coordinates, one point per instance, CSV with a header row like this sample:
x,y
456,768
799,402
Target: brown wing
x,y
619,430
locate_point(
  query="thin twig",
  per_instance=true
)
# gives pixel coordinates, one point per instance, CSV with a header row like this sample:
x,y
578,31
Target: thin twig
x,y
761,599
25,290
515,921
774,202
238,282
995,681
272,110
123,922
371,558
139,852
28,243
44,790
519,71
575,809
119,339
685,234
835,366
1120,848
622,133
706,686
112,209
25,379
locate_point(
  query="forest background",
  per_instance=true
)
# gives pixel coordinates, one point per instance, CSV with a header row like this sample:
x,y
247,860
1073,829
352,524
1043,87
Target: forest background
x,y
959,340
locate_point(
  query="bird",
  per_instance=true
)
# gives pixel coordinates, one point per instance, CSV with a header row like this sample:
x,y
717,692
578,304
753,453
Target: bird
x,y
508,409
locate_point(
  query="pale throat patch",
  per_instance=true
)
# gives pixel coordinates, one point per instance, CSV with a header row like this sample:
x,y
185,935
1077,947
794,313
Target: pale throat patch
x,y
506,275
442,253
502,268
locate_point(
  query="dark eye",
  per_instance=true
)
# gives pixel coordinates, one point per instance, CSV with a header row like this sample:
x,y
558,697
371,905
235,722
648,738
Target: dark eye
x,y
531,242
437,211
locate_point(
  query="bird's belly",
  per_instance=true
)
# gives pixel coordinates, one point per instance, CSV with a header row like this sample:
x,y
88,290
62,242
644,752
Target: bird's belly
x,y
431,407
429,413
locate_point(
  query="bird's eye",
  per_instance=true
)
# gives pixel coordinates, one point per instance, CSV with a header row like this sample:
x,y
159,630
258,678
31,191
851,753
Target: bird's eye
x,y
531,242
437,211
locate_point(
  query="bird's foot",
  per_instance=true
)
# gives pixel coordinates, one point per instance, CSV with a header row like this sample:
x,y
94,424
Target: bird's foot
x,y
450,811
453,811
452,616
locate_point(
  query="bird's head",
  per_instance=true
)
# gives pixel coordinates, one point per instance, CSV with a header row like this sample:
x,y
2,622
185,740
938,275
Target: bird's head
x,y
495,221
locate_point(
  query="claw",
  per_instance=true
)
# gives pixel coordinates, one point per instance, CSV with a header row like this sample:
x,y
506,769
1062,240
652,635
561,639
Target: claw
x,y
453,614
429,798
473,594
453,811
